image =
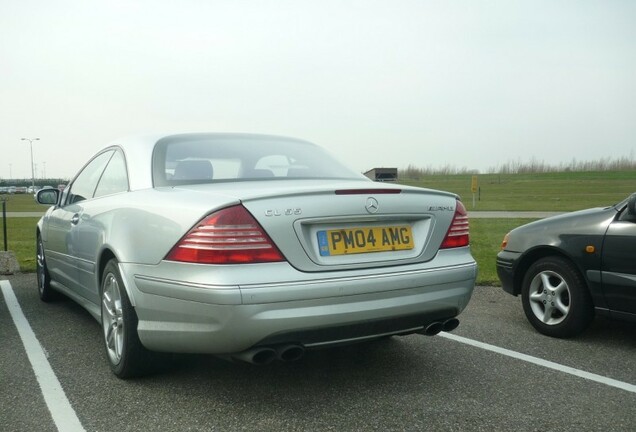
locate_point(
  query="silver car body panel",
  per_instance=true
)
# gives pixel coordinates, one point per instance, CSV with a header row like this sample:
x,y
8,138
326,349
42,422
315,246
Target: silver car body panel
x,y
185,307
207,315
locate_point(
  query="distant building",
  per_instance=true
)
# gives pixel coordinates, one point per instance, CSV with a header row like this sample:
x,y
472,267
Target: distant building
x,y
383,174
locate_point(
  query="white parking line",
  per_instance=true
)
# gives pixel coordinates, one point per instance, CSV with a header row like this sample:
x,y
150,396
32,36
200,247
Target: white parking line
x,y
58,404
545,363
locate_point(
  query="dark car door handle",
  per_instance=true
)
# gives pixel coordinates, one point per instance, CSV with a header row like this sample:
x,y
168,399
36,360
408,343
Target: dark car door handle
x,y
75,219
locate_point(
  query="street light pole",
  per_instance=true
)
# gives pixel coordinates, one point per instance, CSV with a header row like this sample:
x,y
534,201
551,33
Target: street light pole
x,y
30,140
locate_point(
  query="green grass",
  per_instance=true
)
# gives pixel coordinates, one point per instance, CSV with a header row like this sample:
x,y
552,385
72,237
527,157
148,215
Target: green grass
x,y
22,203
485,238
485,242
544,192
21,240
511,192
21,231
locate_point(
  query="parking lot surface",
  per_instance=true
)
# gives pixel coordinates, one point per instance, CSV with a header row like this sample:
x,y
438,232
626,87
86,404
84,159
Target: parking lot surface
x,y
493,373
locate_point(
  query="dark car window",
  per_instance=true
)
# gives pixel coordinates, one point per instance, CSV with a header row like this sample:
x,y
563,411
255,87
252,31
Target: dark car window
x,y
115,178
627,216
206,159
83,187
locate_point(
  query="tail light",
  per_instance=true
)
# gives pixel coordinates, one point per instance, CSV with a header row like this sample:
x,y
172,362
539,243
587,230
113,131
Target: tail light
x,y
457,234
228,236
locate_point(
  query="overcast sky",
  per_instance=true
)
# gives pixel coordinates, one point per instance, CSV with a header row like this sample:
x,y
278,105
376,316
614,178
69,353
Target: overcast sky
x,y
470,84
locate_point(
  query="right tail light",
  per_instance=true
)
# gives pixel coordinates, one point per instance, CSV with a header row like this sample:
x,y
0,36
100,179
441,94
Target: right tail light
x,y
457,234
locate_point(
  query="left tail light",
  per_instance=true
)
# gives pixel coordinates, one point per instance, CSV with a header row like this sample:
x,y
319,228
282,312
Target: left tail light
x,y
457,234
228,236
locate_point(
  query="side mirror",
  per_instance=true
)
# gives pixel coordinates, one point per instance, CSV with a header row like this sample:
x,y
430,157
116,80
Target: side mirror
x,y
47,196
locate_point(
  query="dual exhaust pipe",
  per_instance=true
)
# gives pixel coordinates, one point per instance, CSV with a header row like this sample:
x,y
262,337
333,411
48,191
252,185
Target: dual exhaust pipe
x,y
292,352
438,326
264,355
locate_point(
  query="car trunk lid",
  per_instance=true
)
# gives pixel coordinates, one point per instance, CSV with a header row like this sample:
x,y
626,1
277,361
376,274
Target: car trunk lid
x,y
352,226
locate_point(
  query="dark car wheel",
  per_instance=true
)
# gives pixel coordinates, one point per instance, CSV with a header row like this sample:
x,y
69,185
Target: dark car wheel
x,y
126,355
555,298
45,291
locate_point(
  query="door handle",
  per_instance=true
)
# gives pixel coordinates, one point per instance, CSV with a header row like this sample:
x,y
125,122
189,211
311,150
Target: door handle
x,y
75,219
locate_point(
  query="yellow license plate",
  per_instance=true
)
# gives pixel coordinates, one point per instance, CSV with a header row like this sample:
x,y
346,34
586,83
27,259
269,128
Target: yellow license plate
x,y
364,240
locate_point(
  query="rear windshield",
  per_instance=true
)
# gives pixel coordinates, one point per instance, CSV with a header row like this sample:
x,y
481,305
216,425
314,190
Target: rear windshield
x,y
193,159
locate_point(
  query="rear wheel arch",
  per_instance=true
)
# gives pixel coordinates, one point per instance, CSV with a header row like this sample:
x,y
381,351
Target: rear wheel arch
x,y
105,257
127,356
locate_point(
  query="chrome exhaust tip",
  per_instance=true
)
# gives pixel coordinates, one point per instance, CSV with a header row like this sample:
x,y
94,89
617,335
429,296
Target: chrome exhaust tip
x,y
290,353
450,324
433,328
258,356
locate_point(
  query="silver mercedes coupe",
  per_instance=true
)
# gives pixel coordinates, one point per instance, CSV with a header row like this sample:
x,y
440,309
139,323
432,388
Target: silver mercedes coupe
x,y
250,247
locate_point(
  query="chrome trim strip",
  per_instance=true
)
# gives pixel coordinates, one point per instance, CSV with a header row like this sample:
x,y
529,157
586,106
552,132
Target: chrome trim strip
x,y
361,338
182,283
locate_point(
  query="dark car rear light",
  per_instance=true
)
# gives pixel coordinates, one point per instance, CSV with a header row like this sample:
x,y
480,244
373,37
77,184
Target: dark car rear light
x,y
228,236
367,191
457,234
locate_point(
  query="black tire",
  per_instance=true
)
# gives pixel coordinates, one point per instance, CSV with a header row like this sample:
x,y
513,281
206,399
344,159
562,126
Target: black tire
x,y
126,355
46,292
556,299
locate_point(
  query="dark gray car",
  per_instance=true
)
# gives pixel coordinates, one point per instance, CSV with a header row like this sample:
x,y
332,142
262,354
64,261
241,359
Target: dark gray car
x,y
569,267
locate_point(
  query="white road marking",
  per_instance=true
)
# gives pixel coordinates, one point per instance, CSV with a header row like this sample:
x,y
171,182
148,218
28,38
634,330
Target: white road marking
x,y
58,404
545,363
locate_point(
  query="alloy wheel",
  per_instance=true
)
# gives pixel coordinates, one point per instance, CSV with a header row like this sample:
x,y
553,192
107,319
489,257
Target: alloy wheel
x,y
549,297
41,270
113,318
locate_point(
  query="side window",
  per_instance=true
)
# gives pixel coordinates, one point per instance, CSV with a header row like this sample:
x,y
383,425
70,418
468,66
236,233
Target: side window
x,y
115,178
83,187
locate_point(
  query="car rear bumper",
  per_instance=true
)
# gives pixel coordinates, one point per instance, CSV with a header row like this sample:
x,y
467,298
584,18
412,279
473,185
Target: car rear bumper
x,y
229,319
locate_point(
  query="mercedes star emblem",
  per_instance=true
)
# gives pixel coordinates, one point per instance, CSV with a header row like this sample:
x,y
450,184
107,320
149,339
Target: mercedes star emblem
x,y
372,205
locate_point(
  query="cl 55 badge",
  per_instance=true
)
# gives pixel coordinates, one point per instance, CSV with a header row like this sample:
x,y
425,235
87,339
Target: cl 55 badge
x,y
283,212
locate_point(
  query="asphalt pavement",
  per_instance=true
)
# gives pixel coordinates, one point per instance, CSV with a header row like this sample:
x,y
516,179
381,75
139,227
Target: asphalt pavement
x,y
494,373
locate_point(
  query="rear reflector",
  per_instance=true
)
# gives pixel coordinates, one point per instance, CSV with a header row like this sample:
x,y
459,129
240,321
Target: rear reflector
x,y
457,235
228,236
